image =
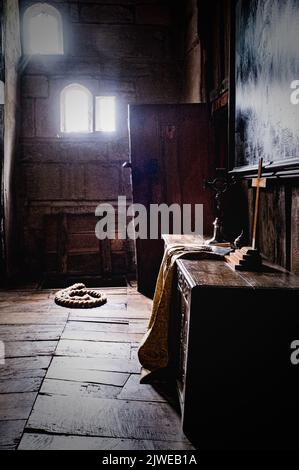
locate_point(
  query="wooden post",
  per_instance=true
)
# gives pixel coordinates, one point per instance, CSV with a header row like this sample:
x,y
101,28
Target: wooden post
x,y
249,258
257,183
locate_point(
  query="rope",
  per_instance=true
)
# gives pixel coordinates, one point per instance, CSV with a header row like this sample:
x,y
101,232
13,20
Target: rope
x,y
78,296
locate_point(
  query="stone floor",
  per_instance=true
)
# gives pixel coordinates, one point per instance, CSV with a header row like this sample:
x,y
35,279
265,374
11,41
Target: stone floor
x,y
71,377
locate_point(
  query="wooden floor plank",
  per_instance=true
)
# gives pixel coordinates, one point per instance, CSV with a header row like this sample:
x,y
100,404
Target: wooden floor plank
x,y
134,353
13,366
106,326
140,303
106,336
138,326
133,390
92,349
24,306
13,406
115,313
104,417
72,389
105,310
114,302
27,295
29,348
82,370
10,434
30,332
52,442
17,374
24,293
97,364
21,385
29,318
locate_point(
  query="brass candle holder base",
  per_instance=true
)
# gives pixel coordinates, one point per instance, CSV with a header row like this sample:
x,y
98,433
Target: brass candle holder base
x,y
218,238
245,259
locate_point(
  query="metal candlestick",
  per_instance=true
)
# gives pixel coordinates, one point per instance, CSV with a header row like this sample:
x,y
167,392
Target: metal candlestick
x,y
220,186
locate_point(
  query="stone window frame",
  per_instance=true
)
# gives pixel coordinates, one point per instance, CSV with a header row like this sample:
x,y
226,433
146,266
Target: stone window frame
x,y
34,10
92,107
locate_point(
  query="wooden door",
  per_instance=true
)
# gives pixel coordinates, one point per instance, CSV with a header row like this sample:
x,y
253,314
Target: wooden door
x,y
171,158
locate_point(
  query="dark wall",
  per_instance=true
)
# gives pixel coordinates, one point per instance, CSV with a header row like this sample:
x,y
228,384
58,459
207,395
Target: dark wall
x,y
192,90
206,65
122,48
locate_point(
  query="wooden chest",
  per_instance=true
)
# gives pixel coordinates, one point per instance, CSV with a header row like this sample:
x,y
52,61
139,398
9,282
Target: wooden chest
x,y
237,386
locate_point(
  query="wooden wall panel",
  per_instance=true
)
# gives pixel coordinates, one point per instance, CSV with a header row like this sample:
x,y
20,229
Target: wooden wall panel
x,y
278,223
273,224
295,231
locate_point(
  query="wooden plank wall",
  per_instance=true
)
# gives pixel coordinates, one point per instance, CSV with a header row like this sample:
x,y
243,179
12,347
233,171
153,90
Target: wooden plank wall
x,y
279,222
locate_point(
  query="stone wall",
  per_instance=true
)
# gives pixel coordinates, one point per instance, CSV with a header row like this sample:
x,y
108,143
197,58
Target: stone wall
x,y
121,48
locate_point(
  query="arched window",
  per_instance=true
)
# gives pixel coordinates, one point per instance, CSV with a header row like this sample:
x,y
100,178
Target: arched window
x,y
76,109
43,32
